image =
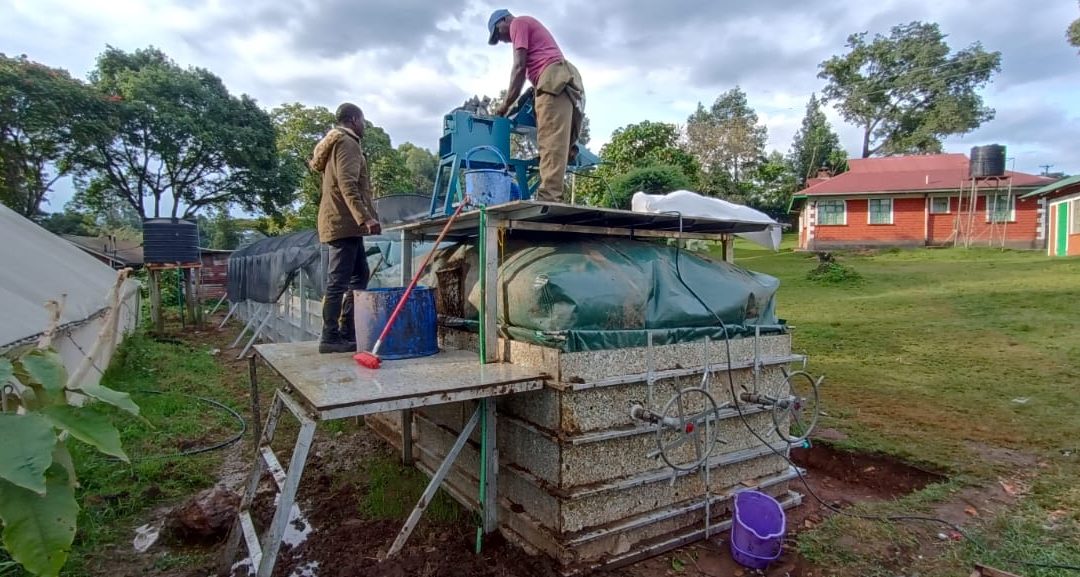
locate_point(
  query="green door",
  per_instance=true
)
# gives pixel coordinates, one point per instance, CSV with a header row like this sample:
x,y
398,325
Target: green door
x,y
1062,229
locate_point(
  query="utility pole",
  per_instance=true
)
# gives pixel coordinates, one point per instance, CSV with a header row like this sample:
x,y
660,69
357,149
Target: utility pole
x,y
1046,168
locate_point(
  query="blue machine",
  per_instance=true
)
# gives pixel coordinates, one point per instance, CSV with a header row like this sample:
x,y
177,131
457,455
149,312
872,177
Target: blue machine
x,y
464,130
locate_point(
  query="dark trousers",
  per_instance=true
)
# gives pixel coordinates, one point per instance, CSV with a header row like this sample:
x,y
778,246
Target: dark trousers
x,y
346,272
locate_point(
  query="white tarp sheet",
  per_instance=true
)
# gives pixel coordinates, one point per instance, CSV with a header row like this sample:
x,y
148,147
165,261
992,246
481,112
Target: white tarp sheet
x,y
689,203
36,266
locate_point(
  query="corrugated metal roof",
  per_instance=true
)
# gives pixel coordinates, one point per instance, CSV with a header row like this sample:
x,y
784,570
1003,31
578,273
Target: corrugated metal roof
x,y
909,174
1054,186
36,266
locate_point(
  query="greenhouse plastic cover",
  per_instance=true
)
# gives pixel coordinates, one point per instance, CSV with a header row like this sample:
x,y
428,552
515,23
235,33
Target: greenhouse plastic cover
x,y
578,294
36,266
689,203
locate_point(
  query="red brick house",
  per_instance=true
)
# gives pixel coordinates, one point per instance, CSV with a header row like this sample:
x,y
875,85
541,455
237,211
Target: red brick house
x,y
924,200
1062,199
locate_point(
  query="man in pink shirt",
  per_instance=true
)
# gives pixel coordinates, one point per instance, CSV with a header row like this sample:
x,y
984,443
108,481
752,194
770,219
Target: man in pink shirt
x,y
560,94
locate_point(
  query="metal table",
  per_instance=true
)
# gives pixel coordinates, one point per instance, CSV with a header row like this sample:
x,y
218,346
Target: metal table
x,y
327,387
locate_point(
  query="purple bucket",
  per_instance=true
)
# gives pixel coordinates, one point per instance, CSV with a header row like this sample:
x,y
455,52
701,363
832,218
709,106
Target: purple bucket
x,y
757,533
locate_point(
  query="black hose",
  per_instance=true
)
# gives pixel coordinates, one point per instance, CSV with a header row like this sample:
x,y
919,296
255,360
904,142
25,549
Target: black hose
x,y
197,451
881,518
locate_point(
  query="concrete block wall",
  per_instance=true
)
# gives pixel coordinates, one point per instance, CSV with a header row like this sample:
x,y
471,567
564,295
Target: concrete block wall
x,y
576,481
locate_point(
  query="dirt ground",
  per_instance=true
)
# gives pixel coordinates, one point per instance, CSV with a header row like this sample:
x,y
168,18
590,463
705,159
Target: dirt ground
x,y
345,543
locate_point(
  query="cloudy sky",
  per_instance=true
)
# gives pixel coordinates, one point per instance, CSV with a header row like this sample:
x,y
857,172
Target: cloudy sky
x,y
407,62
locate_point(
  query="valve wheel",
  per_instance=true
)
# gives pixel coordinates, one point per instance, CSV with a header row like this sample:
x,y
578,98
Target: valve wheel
x,y
796,413
674,419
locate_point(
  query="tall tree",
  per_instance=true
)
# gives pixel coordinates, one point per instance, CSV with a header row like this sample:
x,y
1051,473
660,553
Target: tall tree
x,y
46,117
907,91
422,165
1073,33
224,234
815,145
298,129
774,184
180,137
631,147
727,139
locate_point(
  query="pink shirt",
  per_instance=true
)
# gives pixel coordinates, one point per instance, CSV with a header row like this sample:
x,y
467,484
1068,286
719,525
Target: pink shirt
x,y
540,47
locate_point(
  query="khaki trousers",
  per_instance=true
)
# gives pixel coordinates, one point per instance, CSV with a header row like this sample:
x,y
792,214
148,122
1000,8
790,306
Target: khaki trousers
x,y
558,125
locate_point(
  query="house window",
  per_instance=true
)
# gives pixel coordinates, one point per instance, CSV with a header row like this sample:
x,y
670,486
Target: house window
x,y
880,211
1074,216
939,205
1000,208
832,212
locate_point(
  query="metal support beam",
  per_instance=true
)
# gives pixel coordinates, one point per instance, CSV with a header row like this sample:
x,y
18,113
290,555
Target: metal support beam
x,y
256,423
491,290
406,437
216,306
287,498
491,504
232,309
250,322
433,486
258,331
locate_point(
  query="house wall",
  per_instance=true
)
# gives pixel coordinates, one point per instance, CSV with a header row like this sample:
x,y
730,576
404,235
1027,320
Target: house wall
x,y
214,275
907,228
913,225
1059,203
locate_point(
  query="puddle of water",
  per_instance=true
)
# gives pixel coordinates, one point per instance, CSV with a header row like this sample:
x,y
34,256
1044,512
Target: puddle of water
x,y
297,530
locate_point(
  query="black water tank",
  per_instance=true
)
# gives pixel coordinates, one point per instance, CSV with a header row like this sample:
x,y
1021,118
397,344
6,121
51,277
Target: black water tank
x,y
987,161
170,241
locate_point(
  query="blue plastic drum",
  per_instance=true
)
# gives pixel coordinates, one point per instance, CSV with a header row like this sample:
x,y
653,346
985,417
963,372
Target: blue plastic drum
x,y
415,332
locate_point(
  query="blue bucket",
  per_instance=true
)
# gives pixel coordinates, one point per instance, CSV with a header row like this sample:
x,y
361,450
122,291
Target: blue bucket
x,y
415,332
489,186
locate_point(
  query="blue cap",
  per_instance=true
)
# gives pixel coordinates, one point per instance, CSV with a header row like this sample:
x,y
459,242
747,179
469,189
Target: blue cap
x,y
495,17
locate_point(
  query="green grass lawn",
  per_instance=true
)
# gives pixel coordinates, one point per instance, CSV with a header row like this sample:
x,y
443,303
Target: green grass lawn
x,y
936,356
940,355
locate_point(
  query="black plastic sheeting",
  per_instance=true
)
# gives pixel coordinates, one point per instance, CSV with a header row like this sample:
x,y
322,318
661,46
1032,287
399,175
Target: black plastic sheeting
x,y
262,271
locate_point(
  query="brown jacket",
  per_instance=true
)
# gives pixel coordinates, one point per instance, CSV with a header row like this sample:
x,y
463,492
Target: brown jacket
x,y
346,188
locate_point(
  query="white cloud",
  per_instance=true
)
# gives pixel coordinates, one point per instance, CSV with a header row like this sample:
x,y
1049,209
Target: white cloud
x,y
408,63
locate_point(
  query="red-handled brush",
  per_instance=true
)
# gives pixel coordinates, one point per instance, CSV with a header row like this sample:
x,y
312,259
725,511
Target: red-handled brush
x,y
371,360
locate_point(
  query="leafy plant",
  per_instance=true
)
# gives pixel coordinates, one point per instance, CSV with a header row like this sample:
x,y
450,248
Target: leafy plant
x,y
37,474
834,273
652,179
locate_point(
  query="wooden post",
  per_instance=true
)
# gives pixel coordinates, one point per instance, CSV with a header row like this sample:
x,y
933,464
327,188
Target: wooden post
x,y
197,291
190,298
155,300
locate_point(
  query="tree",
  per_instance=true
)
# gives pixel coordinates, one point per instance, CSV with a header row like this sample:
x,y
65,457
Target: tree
x,y
652,179
177,134
636,146
46,116
224,234
815,145
1073,33
422,165
774,184
727,140
298,129
70,222
907,91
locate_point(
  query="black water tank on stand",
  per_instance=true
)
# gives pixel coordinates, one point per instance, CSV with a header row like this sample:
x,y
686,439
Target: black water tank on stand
x,y
170,241
987,161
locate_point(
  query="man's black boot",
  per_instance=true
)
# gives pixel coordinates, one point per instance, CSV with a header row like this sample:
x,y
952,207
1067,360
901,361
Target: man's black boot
x,y
330,341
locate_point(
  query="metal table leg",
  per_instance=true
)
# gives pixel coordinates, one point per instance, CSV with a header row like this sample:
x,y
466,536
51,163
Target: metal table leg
x,y
287,498
433,486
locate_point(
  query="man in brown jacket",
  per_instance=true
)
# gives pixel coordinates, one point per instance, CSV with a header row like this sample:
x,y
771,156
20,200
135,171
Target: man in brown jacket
x,y
346,215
